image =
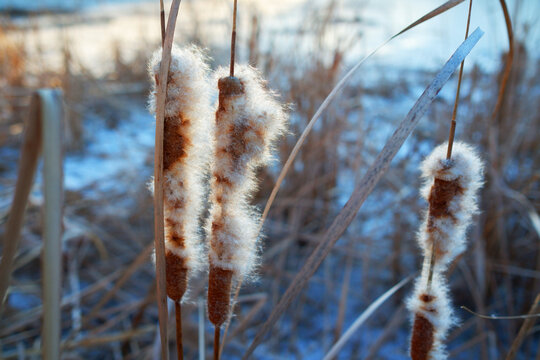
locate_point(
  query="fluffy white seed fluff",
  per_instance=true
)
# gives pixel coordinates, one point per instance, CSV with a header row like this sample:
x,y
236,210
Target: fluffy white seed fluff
x,y
448,233
188,106
245,130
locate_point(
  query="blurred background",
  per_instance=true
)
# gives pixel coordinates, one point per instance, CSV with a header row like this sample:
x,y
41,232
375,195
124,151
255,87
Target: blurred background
x,y
96,51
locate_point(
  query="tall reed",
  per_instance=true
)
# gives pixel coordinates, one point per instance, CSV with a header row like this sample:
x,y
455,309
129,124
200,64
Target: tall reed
x,y
450,189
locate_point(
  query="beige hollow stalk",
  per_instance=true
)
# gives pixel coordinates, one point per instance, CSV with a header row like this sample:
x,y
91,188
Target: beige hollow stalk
x,y
450,189
186,148
248,120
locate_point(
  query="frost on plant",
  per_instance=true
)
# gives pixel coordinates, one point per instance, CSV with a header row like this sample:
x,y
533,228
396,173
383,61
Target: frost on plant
x,y
450,188
186,146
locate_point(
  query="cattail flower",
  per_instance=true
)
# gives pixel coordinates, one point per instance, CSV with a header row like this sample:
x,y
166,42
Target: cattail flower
x,y
248,120
450,189
187,145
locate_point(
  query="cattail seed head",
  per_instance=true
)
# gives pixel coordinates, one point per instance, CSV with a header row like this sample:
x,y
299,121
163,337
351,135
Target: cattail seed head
x,y
432,318
450,189
186,143
248,120
219,293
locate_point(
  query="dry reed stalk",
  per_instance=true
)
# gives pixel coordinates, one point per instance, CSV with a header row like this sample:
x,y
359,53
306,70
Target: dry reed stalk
x,y
365,186
456,101
450,189
30,150
187,129
495,156
44,128
159,234
52,116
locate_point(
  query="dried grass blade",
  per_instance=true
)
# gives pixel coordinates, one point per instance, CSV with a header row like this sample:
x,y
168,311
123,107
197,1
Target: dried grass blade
x,y
364,316
446,6
159,242
25,178
51,116
366,185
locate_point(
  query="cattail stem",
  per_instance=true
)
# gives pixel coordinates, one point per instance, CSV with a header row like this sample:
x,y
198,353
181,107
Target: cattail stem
x,y
162,21
456,101
233,39
216,342
179,343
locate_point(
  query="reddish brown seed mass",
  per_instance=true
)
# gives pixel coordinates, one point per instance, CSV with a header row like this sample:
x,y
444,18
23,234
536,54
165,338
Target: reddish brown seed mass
x,y
176,276
229,86
427,298
219,292
422,338
174,142
442,193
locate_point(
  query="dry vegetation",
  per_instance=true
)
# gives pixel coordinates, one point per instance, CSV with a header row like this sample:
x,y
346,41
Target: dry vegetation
x,y
109,300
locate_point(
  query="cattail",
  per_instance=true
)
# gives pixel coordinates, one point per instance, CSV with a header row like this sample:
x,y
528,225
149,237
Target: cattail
x,y
187,145
450,189
248,120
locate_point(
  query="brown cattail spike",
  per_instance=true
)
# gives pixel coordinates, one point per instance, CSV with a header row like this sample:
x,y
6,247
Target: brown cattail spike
x,y
186,135
422,338
219,292
229,86
176,275
450,190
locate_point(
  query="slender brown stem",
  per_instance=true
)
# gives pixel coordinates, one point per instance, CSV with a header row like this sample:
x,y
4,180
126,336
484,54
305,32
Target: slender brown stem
x,y
30,150
456,102
179,343
162,20
494,131
216,342
233,39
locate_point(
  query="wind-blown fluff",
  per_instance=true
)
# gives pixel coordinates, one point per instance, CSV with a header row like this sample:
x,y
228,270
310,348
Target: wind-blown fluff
x,y
187,144
248,120
450,189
